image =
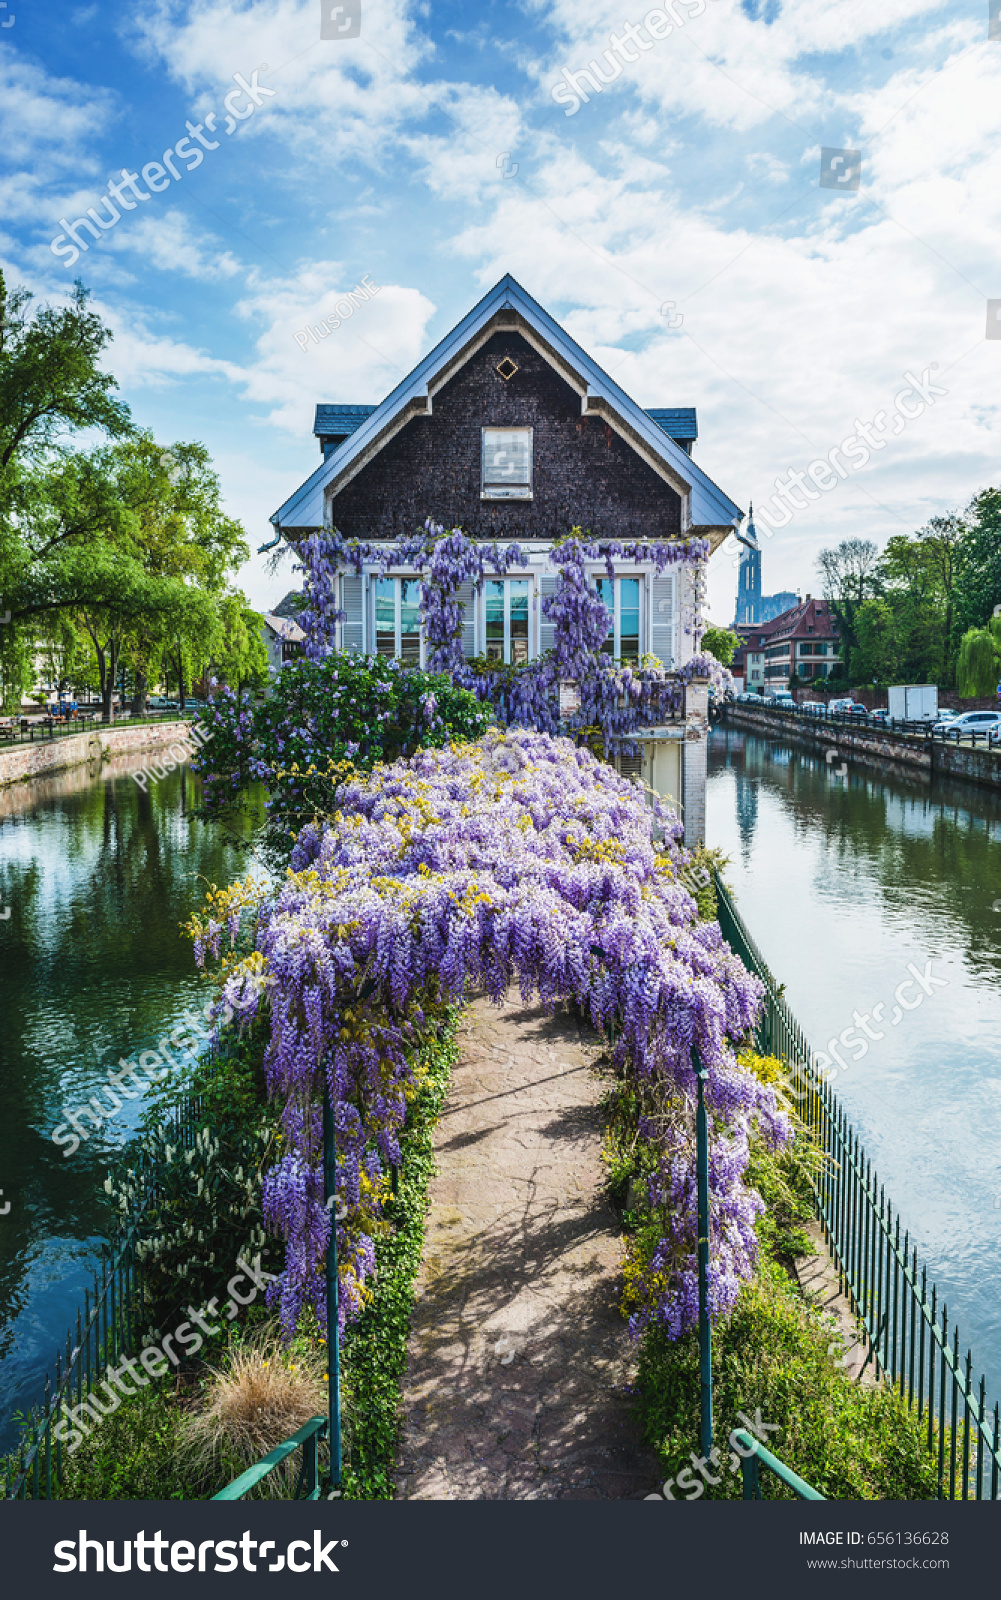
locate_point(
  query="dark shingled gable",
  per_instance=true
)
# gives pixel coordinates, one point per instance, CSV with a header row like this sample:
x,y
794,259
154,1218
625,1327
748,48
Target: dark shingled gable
x,y
584,473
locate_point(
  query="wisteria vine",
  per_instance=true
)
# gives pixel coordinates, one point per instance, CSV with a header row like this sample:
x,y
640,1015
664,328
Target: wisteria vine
x,y
616,700
518,859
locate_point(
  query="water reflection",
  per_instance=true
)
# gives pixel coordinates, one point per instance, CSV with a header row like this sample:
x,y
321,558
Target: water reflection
x,y
98,876
851,885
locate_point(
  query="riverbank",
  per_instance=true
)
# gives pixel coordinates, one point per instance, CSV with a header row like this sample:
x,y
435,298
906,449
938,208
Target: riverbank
x,y
91,749
876,748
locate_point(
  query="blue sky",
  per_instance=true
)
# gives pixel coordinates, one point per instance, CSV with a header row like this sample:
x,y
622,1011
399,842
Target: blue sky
x,y
674,223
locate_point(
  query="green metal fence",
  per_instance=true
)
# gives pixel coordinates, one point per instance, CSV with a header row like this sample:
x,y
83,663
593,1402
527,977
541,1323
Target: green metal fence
x,y
754,1456
909,1337
308,1484
109,1327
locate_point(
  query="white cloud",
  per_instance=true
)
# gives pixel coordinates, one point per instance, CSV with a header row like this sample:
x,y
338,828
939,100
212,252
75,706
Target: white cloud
x,y
167,241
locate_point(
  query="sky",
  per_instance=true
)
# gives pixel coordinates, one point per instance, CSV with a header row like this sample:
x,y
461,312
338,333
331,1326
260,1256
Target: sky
x,y
781,212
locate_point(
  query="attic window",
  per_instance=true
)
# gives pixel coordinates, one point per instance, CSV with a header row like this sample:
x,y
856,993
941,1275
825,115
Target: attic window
x,y
507,368
507,464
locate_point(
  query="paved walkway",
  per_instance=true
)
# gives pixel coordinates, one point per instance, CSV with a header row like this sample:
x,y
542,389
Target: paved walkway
x,y
818,1278
519,1369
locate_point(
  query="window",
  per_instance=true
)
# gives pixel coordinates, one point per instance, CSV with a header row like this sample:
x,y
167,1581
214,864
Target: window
x,y
622,597
398,618
507,464
506,604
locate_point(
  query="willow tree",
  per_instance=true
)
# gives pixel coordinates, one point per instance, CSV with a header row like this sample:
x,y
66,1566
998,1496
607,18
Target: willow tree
x,y
979,660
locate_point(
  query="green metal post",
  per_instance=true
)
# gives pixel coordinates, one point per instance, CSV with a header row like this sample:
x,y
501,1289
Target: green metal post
x,y
333,1332
705,1331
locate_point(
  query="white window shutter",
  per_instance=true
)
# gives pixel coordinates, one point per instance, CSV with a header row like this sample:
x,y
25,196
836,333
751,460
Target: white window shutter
x,y
466,601
547,630
352,603
663,620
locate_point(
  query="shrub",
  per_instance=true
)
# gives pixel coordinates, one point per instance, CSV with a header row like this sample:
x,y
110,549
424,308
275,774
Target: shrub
x,y
207,1209
263,1393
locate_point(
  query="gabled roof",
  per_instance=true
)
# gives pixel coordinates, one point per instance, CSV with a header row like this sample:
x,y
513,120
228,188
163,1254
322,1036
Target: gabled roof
x,y
284,627
336,422
600,395
678,422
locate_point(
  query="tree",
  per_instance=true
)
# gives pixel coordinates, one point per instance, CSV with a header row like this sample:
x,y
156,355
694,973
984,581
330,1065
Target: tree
x,y
979,588
50,380
877,655
848,572
721,643
238,655
979,661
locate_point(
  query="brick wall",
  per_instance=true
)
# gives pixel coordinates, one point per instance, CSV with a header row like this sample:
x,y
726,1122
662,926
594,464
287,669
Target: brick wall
x,y
583,473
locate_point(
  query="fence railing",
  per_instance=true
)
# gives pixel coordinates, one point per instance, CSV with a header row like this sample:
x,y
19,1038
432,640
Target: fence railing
x,y
754,1455
308,1437
909,1335
989,737
109,1327
25,730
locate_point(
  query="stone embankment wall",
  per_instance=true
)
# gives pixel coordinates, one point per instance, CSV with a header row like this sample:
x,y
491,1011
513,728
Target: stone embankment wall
x,y
99,744
874,747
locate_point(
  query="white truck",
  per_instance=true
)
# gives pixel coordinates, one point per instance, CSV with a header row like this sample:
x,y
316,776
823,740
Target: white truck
x,y
913,702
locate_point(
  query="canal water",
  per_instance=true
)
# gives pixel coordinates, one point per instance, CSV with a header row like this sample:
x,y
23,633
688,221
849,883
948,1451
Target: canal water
x,y
96,877
878,897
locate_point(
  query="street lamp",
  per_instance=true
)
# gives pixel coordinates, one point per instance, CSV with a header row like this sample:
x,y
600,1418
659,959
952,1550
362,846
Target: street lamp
x,y
333,1328
702,1184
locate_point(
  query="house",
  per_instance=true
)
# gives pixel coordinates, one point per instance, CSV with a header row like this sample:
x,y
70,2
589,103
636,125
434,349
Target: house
x,y
803,643
511,431
283,638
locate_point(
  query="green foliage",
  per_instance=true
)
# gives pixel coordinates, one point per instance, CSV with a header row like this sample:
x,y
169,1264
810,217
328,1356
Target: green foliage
x,y
348,708
979,587
137,1453
848,1441
133,1454
774,1351
207,1211
721,643
50,374
375,1347
979,662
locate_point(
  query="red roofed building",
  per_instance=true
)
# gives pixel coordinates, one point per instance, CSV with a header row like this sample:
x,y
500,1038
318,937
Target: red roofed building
x,y
803,643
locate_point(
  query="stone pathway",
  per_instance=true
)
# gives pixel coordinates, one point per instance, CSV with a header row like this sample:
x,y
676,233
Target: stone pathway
x,y
817,1276
519,1367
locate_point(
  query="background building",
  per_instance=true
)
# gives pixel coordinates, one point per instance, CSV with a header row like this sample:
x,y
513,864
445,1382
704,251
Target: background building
x,y
752,605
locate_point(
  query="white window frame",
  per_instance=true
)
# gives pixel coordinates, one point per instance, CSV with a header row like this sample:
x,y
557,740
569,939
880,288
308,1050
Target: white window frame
x,y
635,577
397,579
529,578
503,491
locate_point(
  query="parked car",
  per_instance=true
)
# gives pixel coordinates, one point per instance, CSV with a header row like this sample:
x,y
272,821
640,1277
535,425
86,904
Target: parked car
x,y
969,722
780,697
881,714
814,708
